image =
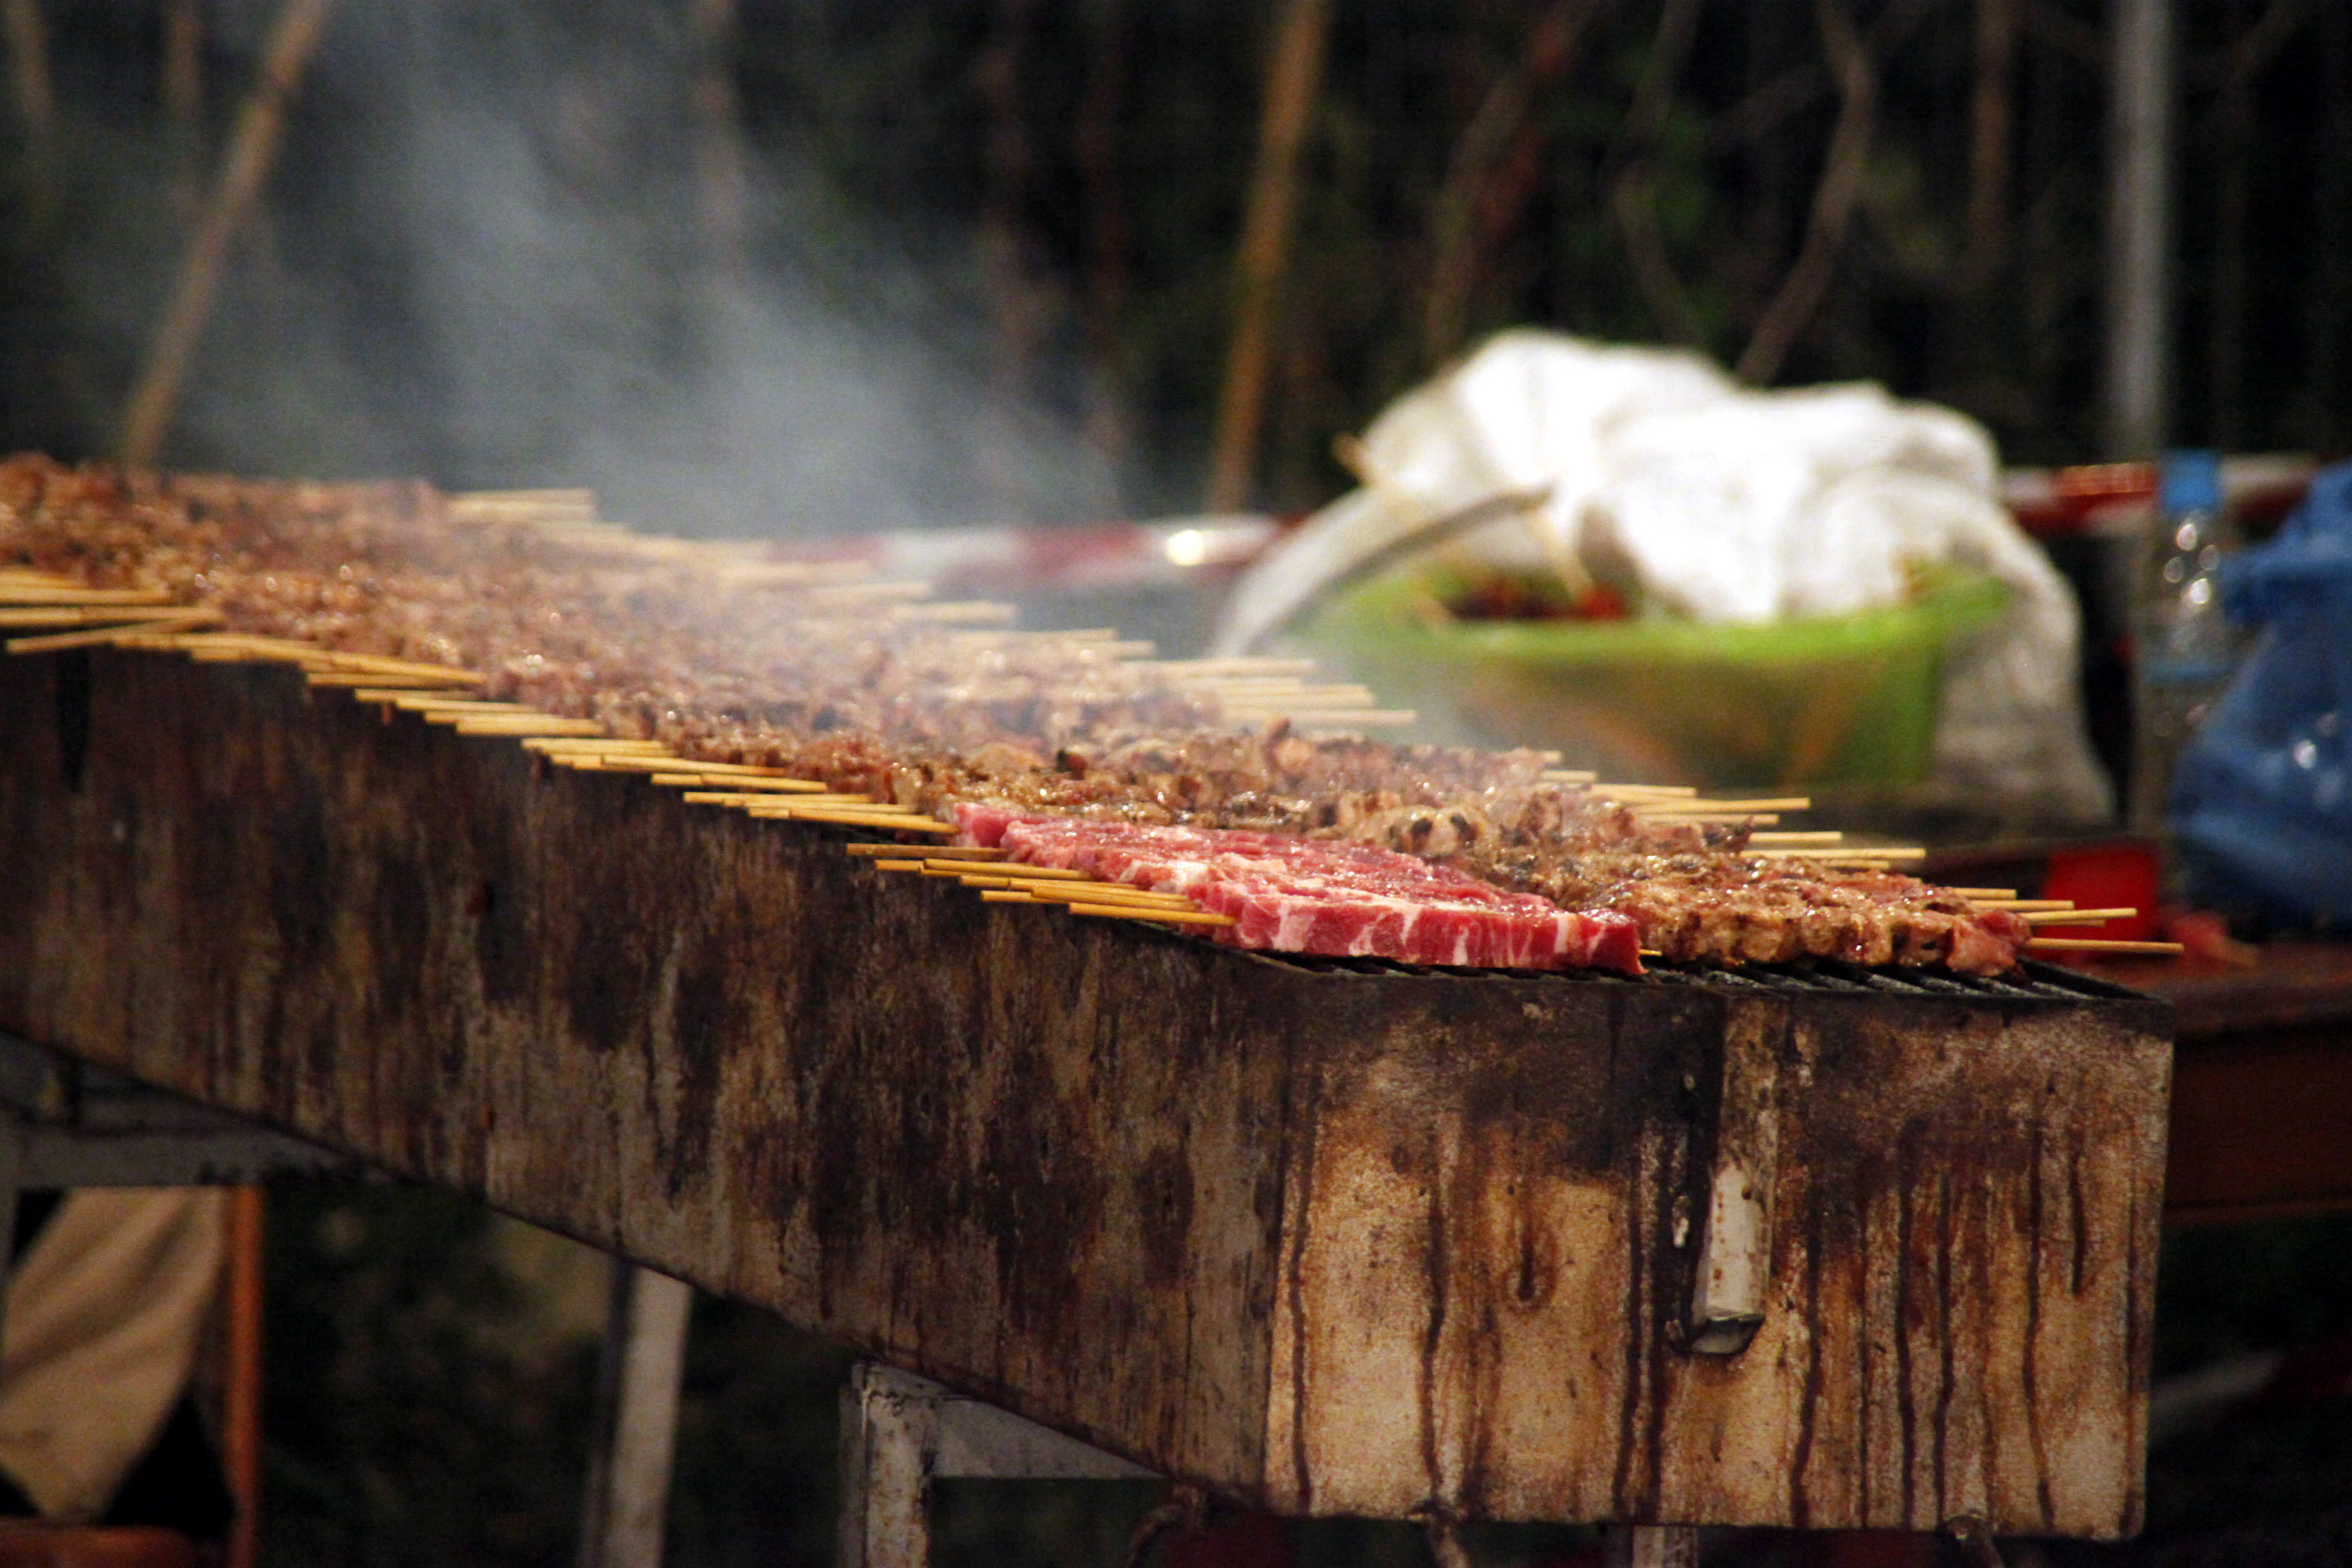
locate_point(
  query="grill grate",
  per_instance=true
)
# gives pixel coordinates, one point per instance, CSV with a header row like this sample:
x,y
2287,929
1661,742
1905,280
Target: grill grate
x,y
2036,981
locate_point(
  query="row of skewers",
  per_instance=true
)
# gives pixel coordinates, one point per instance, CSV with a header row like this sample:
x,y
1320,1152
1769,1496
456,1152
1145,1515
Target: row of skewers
x,y
52,614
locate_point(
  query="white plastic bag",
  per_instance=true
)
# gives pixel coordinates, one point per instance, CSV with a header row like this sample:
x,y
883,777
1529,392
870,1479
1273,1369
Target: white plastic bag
x,y
1728,505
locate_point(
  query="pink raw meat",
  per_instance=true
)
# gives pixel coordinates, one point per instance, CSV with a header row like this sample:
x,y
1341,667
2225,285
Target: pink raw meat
x,y
1299,895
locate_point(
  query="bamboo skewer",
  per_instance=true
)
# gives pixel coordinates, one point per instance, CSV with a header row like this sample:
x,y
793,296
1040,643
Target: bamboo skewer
x,y
1164,917
56,642
2093,944
521,724
669,763
13,591
946,868
1378,717
344,680
2040,917
1678,807
30,615
402,668
1108,894
594,746
446,710
942,852
951,612
1838,856
700,781
1808,839
523,506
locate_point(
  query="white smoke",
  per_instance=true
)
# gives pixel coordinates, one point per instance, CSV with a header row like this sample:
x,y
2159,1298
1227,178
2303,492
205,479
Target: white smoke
x,y
509,281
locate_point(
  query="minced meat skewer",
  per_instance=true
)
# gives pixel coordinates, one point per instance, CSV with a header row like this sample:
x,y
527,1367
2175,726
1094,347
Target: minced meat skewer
x,y
651,642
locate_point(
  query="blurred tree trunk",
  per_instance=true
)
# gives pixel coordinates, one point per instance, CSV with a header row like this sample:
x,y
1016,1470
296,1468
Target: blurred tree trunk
x,y
2331,235
245,168
1493,173
1835,196
718,177
184,104
1991,118
1016,304
37,104
1300,30
1632,196
2225,346
1095,141
2257,45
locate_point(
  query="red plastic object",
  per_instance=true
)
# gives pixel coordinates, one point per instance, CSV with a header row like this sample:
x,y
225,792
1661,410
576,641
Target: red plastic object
x,y
2108,877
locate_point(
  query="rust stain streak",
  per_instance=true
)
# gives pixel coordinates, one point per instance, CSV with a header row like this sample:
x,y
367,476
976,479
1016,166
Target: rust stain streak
x,y
2078,1216
1629,1393
2029,1357
1302,1473
1816,1328
1906,1184
1434,1266
1946,1243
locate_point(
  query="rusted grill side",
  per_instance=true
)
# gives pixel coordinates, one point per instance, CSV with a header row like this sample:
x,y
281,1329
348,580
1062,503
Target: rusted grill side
x,y
1327,1236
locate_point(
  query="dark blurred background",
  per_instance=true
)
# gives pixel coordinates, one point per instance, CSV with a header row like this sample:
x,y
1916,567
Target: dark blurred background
x,y
826,265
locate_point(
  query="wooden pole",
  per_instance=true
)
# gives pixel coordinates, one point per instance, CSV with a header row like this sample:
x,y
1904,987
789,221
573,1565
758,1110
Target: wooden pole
x,y
1992,115
1834,197
37,104
1094,141
1301,31
719,140
1017,304
242,1385
251,151
183,101
1477,177
2140,229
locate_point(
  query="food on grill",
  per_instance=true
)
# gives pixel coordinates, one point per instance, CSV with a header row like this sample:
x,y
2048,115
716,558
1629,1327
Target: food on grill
x,y
764,671
1339,900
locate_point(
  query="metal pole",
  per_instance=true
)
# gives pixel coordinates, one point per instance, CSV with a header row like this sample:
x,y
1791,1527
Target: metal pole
x,y
1650,1546
2139,228
889,1446
628,1477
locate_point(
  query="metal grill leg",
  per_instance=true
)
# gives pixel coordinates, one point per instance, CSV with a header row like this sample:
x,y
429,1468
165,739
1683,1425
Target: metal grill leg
x,y
1651,1546
628,1470
889,1446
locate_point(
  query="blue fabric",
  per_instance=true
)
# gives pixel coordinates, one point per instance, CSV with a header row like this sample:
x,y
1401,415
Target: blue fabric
x,y
2261,799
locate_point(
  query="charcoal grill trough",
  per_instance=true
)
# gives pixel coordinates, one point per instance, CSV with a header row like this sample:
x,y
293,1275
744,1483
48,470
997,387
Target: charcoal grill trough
x,y
1814,1246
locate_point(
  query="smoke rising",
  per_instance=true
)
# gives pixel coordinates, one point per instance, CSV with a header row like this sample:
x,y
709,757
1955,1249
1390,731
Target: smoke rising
x,y
491,256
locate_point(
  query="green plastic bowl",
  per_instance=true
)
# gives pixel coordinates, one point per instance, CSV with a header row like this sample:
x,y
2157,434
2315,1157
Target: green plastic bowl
x,y
1829,700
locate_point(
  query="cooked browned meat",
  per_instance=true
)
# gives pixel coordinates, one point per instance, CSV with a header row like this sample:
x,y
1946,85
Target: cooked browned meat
x,y
731,654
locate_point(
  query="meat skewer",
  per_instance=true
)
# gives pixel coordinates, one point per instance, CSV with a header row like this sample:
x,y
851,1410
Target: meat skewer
x,y
787,691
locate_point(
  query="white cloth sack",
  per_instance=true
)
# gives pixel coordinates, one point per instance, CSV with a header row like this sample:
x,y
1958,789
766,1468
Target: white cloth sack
x,y
1726,505
104,1314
